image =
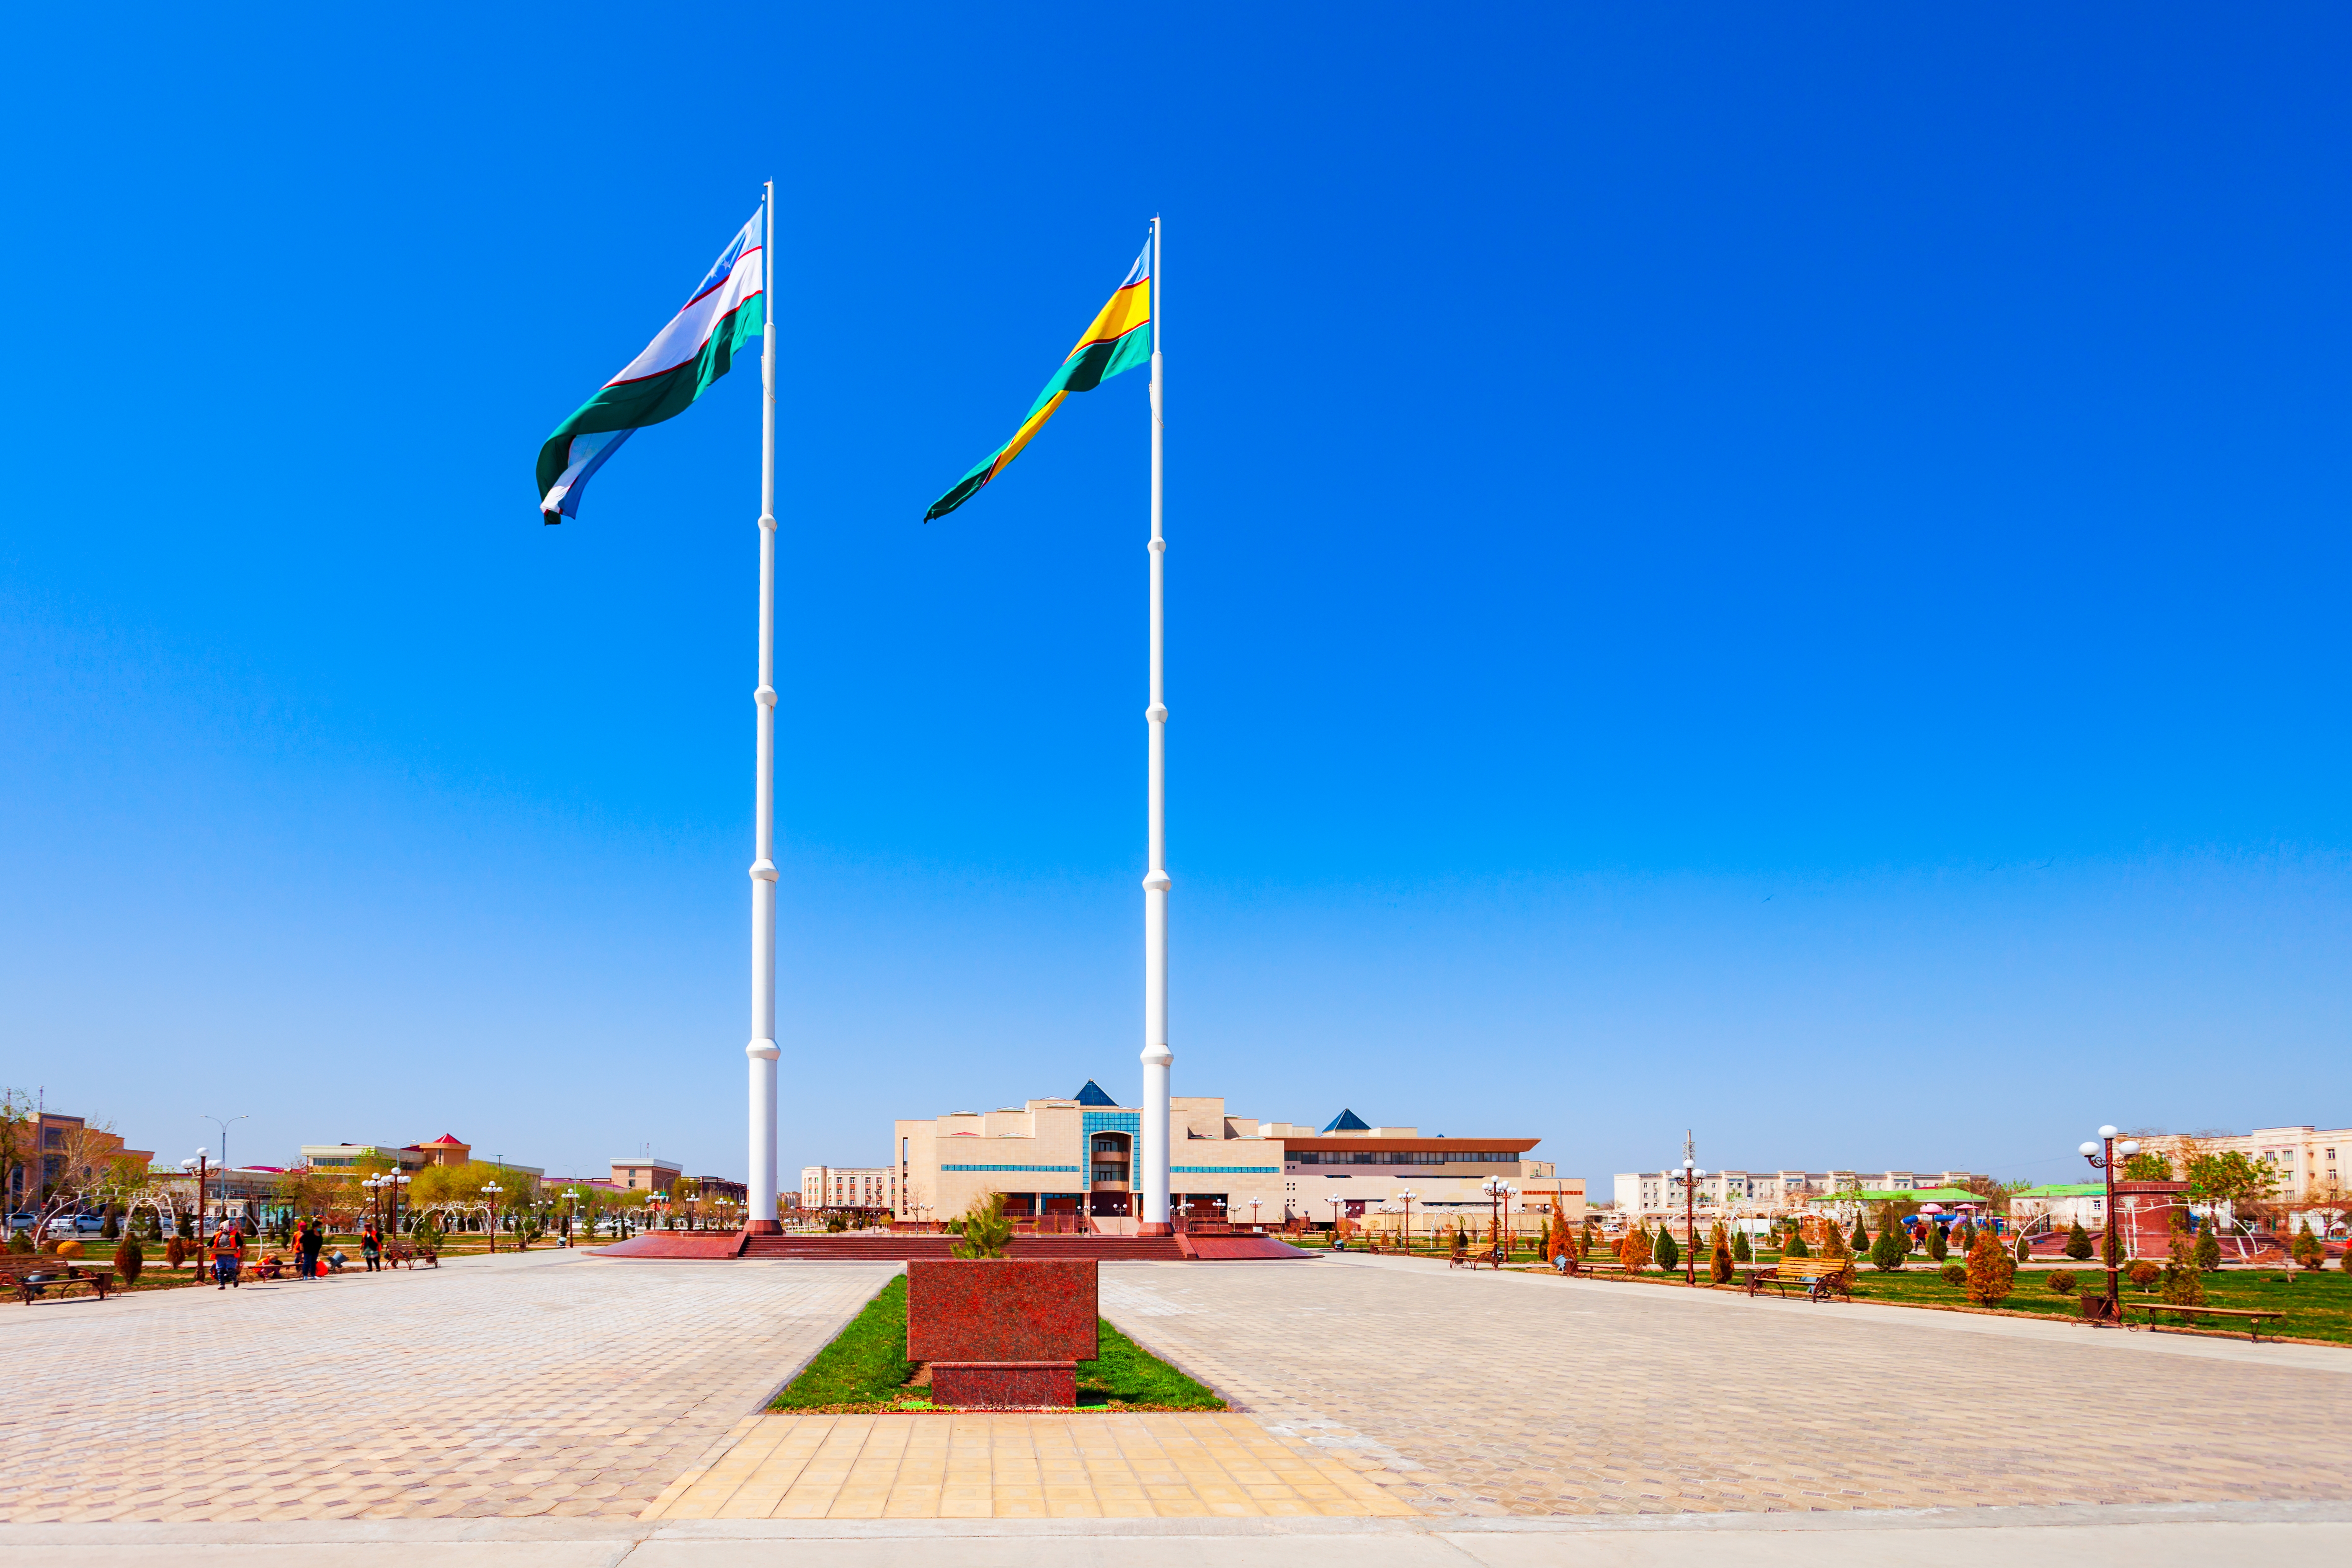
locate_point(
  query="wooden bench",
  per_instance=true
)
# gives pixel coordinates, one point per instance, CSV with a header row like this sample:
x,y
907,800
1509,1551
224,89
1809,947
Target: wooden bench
x,y
30,1280
2254,1318
402,1253
1821,1277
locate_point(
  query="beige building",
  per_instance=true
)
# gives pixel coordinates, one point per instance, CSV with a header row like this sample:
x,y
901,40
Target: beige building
x,y
1080,1155
1761,1194
2303,1159
851,1187
645,1174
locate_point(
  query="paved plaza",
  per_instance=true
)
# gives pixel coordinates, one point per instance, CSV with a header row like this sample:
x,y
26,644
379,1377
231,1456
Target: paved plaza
x,y
598,1400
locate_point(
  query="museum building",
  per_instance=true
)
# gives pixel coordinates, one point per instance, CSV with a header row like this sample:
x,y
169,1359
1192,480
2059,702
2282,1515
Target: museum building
x,y
1080,1155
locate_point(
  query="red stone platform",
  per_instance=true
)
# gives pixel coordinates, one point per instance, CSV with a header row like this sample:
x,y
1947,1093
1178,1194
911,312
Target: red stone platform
x,y
1002,1333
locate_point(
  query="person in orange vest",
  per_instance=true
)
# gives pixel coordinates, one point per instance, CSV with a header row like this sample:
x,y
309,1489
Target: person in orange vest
x,y
226,1243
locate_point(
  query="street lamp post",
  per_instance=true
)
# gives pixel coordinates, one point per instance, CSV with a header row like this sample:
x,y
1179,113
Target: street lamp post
x,y
1497,1190
2102,1155
1335,1203
1405,1196
1254,1211
492,1190
1692,1176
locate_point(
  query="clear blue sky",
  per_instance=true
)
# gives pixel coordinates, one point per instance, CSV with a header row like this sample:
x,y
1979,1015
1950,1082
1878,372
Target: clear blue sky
x,y
1781,574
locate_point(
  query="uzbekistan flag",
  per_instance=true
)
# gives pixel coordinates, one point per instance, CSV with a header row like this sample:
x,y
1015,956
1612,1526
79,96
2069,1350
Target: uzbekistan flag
x,y
1120,339
726,311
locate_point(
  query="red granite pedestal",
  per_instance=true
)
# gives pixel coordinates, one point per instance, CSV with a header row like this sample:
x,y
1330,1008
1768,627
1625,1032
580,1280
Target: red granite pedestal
x,y
1002,1333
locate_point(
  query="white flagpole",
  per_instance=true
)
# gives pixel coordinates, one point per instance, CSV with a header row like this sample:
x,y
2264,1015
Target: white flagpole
x,y
1157,1057
762,1207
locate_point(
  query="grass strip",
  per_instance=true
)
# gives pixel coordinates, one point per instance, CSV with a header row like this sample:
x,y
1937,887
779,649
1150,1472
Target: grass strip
x,y
866,1369
866,1361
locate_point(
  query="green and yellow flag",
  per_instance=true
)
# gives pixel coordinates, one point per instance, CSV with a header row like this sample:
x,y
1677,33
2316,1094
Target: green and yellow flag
x,y
1120,339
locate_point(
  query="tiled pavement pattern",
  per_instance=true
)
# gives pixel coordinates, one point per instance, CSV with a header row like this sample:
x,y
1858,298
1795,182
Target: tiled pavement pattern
x,y
1017,1467
1486,1394
549,1384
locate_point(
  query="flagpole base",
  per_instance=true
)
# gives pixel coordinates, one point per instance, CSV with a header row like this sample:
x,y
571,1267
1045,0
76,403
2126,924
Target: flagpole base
x,y
1155,1228
765,1226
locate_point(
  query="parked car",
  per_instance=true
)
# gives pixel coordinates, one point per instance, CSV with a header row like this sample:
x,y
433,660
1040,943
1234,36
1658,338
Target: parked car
x,y
76,1224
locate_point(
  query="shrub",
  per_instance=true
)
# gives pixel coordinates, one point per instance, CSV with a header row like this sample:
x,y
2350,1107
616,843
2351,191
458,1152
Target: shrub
x,y
65,1248
176,1251
1796,1246
20,1240
984,1227
1861,1242
2023,1250
1718,1262
2208,1251
1887,1253
1990,1271
2078,1241
2309,1250
2142,1274
2182,1285
129,1260
2061,1281
1743,1253
1964,1235
1633,1251
1669,1255
1953,1274
110,1231
1939,1247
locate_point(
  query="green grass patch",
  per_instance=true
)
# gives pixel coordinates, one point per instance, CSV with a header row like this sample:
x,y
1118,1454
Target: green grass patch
x,y
866,1362
2317,1303
866,1369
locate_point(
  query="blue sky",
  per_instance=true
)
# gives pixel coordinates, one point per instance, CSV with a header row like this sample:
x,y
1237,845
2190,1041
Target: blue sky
x,y
1774,575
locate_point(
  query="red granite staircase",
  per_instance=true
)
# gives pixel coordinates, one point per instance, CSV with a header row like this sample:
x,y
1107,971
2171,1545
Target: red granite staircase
x,y
898,1246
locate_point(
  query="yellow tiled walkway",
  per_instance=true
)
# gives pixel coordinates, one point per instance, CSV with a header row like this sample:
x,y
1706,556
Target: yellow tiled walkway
x,y
1014,1466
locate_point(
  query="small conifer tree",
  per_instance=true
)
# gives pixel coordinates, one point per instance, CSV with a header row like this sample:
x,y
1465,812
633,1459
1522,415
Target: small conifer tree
x,y
1743,1253
1964,1235
2078,1241
1669,1255
2023,1251
1938,1247
1633,1251
1990,1270
1718,1260
2182,1285
2208,1250
1795,1247
1860,1243
129,1260
1887,1253
2309,1250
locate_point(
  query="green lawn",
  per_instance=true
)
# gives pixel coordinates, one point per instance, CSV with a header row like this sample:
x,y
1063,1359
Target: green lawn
x,y
866,1369
2317,1304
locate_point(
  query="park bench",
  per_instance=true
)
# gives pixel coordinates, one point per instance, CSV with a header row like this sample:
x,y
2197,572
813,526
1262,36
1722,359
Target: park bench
x,y
2254,1318
403,1254
32,1277
1821,1277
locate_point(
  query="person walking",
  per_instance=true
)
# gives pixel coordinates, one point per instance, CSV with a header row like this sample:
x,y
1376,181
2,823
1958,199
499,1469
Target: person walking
x,y
225,1242
314,1241
372,1248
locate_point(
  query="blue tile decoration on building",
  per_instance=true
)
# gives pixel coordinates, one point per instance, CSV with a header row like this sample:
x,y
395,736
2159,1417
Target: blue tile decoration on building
x,y
1128,1121
1071,1169
1224,1170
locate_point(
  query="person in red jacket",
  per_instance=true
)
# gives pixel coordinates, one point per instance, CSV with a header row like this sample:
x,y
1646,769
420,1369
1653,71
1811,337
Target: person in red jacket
x,y
227,1242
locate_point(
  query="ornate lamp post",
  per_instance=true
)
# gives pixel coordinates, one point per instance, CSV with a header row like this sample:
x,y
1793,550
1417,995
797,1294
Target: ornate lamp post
x,y
492,1190
1254,1211
2102,1155
1405,1196
1498,1192
1692,1176
1335,1203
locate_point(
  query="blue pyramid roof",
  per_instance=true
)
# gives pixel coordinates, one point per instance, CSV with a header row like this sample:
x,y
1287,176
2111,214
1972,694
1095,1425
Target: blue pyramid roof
x,y
1347,1121
1093,1095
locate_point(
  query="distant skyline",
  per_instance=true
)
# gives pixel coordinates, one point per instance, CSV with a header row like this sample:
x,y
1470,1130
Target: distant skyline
x,y
1778,574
